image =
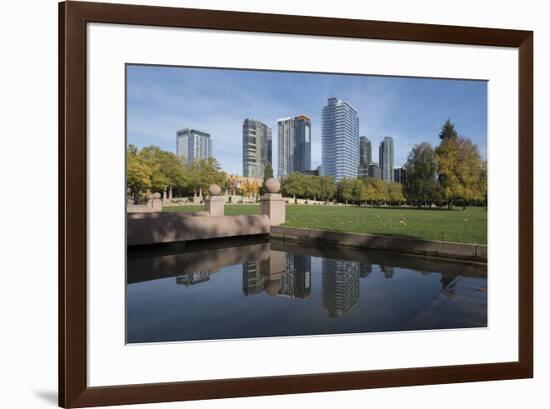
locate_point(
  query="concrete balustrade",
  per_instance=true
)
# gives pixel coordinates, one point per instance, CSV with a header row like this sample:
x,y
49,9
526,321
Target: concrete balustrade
x,y
153,227
272,204
215,203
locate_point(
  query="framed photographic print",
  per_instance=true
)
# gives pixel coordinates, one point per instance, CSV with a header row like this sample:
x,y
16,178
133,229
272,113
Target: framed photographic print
x,y
255,204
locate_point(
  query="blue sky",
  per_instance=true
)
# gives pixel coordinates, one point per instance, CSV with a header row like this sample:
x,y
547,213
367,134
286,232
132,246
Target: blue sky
x,y
161,100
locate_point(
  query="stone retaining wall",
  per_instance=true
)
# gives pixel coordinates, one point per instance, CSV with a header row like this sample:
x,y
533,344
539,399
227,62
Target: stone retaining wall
x,y
156,228
445,249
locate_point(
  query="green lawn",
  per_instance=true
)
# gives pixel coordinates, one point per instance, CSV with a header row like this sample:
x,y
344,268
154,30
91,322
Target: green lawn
x,y
469,226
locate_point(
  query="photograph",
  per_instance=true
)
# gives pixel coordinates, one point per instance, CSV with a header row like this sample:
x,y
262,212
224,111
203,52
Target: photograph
x,y
265,203
353,188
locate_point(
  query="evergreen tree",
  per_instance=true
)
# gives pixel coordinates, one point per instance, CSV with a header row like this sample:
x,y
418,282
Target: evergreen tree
x,y
448,131
268,173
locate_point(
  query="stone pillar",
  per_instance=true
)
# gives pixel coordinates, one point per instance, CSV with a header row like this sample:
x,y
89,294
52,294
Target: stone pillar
x,y
170,195
215,203
156,202
272,204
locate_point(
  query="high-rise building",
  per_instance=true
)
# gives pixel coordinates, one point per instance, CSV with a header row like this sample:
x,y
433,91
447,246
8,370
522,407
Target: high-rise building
x,y
294,140
400,175
362,172
192,145
374,171
365,156
386,158
365,152
257,152
340,140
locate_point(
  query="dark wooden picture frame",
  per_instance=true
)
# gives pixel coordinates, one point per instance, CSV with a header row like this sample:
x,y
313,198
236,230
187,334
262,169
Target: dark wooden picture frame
x,y
73,388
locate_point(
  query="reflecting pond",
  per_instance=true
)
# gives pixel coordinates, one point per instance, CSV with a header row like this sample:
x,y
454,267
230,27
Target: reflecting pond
x,y
240,289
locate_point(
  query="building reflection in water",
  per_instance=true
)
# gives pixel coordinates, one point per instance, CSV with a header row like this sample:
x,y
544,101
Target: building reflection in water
x,y
193,278
292,290
289,275
253,277
283,274
387,270
340,282
296,279
279,273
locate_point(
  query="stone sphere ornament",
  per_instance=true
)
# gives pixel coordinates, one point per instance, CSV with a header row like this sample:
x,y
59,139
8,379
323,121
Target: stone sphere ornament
x,y
214,190
272,185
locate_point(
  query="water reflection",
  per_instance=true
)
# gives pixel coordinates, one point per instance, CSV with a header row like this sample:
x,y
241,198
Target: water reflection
x,y
283,274
340,286
277,288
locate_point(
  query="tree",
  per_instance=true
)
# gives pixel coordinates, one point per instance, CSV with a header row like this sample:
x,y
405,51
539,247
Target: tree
x,y
293,185
345,190
395,192
368,193
326,187
448,131
206,172
249,188
380,193
421,167
157,170
137,174
233,183
152,157
483,181
268,173
358,189
312,187
460,170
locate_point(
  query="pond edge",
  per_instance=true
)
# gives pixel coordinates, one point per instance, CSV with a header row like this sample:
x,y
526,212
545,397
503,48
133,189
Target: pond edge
x,y
433,248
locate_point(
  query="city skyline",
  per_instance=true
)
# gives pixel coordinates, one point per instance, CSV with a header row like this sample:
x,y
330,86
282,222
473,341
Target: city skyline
x,y
410,110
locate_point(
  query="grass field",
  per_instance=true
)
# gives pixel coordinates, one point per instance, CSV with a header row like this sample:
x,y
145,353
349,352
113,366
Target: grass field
x,y
468,226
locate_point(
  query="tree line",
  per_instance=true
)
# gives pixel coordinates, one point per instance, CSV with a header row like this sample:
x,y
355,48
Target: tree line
x,y
451,173
358,191
152,169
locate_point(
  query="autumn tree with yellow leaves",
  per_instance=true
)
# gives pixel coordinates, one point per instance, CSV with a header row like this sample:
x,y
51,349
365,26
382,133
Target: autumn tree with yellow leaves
x,y
461,171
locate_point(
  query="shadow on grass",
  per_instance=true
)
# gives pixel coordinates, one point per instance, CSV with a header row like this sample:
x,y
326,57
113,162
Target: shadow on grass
x,y
436,209
403,236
